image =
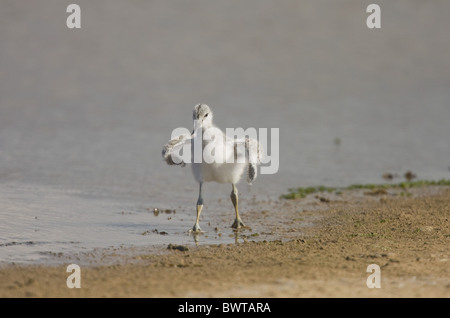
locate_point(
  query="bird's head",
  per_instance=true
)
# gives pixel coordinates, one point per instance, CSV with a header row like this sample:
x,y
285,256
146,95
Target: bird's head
x,y
202,116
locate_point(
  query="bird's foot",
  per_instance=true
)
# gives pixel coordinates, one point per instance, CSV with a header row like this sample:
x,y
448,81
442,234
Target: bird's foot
x,y
196,229
238,224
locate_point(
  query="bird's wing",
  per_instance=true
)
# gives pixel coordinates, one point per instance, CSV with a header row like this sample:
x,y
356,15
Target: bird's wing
x,y
253,155
254,158
170,152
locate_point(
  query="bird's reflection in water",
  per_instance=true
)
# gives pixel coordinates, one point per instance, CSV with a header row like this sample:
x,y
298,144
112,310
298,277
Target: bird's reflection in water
x,y
238,234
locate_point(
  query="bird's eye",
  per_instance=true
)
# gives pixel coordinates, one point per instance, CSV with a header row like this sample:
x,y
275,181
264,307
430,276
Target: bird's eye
x,y
206,115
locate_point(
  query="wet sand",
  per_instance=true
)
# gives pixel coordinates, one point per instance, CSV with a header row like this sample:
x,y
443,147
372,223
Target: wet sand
x,y
406,235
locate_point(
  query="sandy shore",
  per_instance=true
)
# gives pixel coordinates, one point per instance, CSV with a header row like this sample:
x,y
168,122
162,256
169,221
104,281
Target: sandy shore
x,y
407,236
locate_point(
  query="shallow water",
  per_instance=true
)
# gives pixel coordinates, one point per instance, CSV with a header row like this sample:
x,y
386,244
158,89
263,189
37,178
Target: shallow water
x,y
84,113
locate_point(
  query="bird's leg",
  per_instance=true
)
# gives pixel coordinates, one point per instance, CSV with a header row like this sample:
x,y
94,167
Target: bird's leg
x,y
234,198
196,227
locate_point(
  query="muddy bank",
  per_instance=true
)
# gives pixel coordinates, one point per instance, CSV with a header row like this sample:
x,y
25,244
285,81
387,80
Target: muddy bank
x,y
408,237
